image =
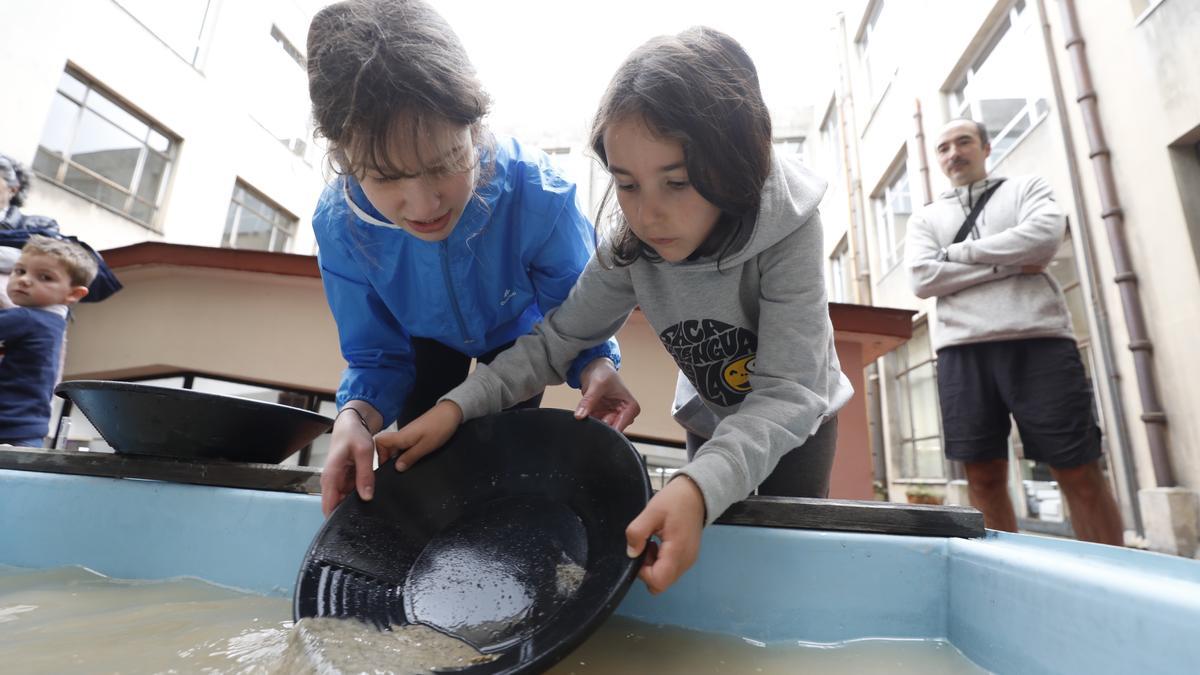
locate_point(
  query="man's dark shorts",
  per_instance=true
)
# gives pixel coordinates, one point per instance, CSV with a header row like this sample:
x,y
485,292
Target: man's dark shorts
x,y
1040,381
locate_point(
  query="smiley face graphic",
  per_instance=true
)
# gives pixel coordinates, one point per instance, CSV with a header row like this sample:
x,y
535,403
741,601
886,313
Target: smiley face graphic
x,y
737,374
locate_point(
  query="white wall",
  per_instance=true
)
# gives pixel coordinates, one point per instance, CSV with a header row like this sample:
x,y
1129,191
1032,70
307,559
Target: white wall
x,y
216,108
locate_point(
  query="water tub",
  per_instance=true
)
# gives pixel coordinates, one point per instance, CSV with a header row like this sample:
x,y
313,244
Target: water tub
x,y
1011,603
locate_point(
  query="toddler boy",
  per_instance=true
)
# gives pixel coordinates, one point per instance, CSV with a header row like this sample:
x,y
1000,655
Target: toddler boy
x,y
50,276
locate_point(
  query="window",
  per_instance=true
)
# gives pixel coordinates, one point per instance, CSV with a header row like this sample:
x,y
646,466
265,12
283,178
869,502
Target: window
x,y
179,23
878,53
256,223
559,157
274,86
893,206
1065,270
104,151
790,145
1004,86
916,415
831,141
841,281
1143,8
287,46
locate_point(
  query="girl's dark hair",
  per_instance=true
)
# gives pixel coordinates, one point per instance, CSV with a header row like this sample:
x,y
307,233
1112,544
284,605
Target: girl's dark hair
x,y
375,63
699,88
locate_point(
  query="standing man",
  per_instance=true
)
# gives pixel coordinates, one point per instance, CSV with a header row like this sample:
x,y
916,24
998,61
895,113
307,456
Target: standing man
x,y
1003,338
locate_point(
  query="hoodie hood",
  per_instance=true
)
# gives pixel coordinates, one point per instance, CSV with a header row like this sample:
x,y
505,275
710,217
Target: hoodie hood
x,y
790,197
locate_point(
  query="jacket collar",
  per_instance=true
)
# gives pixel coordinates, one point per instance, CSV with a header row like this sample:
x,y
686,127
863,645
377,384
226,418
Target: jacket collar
x,y
971,191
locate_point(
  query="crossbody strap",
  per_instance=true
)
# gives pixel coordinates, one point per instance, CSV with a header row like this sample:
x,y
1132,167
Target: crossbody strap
x,y
976,210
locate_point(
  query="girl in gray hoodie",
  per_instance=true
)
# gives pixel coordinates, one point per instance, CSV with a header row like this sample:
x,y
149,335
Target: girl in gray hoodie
x,y
718,241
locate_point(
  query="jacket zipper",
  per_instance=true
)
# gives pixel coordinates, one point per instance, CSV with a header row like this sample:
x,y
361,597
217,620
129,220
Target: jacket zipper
x,y
462,326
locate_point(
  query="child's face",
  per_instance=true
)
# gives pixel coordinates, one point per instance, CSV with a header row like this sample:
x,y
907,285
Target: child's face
x,y
39,280
438,178
653,190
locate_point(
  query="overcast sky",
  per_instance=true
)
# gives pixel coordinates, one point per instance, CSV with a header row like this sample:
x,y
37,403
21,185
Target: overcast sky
x,y
546,62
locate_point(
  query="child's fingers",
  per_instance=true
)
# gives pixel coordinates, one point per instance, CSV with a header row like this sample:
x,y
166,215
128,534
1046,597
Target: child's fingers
x,y
625,416
640,530
421,448
660,572
649,576
364,478
666,570
330,497
337,481
391,443
648,564
584,408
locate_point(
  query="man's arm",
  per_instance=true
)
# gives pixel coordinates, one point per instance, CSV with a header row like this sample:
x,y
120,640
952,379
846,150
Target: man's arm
x,y
930,277
1032,241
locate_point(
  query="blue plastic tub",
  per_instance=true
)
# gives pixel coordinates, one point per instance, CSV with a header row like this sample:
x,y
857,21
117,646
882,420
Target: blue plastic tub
x,y
1010,603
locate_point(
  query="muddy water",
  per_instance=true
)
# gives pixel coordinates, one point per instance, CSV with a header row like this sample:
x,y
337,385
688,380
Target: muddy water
x,y
72,620
338,646
626,646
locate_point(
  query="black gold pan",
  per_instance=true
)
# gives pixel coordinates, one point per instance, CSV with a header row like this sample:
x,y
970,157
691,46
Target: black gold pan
x,y
511,537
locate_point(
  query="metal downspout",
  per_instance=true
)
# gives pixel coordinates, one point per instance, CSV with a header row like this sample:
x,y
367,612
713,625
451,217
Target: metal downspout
x,y
923,160
850,164
1099,310
1153,417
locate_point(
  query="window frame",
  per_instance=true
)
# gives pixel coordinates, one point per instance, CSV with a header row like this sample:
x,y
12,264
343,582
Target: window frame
x,y
872,44
198,46
785,142
891,248
288,47
1141,16
841,272
230,234
65,161
830,133
900,369
1019,16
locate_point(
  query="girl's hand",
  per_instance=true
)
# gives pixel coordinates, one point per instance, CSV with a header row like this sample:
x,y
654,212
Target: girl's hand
x,y
421,436
676,514
350,463
605,396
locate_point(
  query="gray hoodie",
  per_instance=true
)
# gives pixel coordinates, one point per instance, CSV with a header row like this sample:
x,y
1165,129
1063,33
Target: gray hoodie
x,y
751,332
982,295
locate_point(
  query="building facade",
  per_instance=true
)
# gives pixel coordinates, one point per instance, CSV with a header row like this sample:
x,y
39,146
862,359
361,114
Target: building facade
x,y
185,122
1115,131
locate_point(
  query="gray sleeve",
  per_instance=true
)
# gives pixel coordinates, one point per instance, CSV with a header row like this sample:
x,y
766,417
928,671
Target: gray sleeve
x,y
928,277
791,380
593,312
1032,241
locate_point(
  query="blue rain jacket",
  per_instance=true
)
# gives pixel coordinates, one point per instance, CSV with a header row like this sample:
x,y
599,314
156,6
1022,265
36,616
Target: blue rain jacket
x,y
513,256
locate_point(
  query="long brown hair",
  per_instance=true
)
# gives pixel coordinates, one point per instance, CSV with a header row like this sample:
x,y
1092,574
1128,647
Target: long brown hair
x,y
699,88
377,68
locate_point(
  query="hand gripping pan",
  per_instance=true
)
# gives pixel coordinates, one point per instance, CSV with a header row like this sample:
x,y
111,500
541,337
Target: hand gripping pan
x,y
511,537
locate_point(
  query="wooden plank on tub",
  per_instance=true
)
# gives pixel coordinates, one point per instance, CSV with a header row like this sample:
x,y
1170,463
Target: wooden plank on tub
x,y
299,479
855,516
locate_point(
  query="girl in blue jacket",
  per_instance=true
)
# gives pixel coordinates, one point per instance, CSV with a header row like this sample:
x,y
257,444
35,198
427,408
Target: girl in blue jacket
x,y
438,243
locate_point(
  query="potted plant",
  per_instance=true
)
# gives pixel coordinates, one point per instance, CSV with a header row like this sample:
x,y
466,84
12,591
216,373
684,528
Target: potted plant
x,y
922,494
880,490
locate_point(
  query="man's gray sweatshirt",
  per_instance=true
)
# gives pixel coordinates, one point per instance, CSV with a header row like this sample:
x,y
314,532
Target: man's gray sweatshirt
x,y
982,294
751,332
